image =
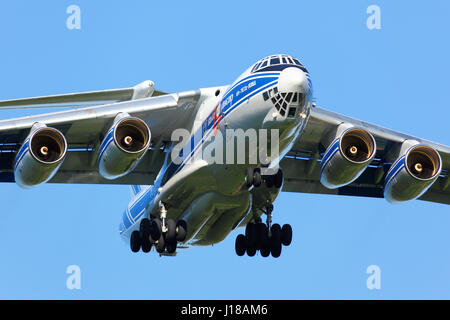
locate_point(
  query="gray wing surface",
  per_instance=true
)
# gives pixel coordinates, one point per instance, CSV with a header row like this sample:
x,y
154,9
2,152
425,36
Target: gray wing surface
x,y
142,90
301,166
85,128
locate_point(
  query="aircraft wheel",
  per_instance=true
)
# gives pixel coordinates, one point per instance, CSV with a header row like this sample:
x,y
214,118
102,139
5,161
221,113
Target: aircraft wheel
x,y
171,247
241,245
249,177
257,178
161,244
278,179
269,181
251,250
146,245
181,230
262,235
286,234
155,230
144,228
135,241
265,250
250,233
171,235
275,241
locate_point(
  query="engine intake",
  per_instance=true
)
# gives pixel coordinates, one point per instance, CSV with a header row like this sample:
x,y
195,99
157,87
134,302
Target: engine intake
x,y
412,174
123,147
39,157
347,157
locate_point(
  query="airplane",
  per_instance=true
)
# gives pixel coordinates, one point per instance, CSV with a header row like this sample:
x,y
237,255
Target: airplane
x,y
179,199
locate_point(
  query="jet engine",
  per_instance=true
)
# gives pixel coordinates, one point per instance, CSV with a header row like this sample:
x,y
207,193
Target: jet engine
x,y
347,157
412,174
40,156
125,144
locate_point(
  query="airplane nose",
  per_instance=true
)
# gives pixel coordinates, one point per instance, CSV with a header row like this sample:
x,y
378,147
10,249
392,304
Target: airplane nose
x,y
293,80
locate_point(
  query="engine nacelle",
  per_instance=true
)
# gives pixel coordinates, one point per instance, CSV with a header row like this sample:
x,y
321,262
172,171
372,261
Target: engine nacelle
x,y
123,147
40,156
412,174
347,157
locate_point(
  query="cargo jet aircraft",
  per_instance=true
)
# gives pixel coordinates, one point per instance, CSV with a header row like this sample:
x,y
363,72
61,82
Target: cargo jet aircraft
x,y
179,198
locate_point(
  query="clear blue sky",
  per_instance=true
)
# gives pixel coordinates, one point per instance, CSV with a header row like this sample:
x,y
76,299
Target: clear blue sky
x,y
395,77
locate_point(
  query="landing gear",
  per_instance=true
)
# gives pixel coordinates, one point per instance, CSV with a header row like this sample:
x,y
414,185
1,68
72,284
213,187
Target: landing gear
x,y
241,245
253,177
135,241
274,180
163,234
266,237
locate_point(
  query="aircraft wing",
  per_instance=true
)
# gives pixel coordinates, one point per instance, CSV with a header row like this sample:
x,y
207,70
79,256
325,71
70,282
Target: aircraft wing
x,y
142,90
85,128
301,166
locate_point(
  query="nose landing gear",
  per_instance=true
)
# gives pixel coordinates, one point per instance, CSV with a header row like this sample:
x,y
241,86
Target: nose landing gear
x,y
267,238
253,177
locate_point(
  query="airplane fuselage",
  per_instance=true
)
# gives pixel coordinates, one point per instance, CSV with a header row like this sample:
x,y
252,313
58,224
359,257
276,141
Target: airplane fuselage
x,y
211,196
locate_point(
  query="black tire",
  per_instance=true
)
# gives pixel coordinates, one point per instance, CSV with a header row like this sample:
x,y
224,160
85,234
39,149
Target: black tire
x,y
251,250
286,235
241,245
146,245
257,178
275,232
261,234
161,244
265,250
135,241
181,230
250,233
269,181
275,241
171,234
156,229
171,247
144,228
278,179
249,177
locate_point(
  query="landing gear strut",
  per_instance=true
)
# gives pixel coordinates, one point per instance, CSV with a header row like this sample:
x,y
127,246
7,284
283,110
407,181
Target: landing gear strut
x,y
163,234
267,238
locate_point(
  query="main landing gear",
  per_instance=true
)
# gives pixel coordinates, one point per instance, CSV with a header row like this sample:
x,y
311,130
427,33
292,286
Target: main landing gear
x,y
266,237
163,234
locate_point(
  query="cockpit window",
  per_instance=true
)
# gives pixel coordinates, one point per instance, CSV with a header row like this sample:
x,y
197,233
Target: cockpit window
x,y
277,63
274,61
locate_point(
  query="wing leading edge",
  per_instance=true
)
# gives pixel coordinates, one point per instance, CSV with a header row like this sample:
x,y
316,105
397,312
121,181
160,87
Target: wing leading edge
x,y
142,90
